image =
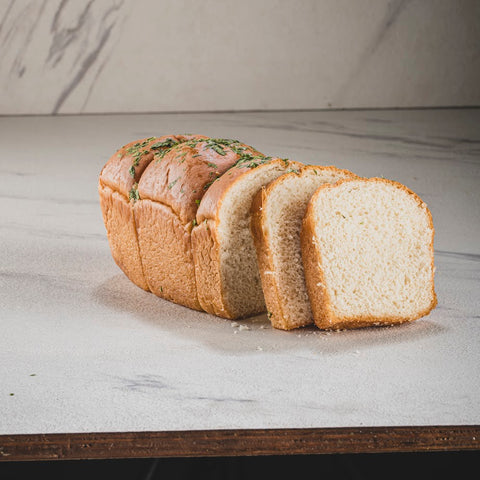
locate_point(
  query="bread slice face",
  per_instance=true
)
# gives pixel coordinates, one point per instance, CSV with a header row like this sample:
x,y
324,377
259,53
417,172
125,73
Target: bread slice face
x,y
367,249
277,213
228,278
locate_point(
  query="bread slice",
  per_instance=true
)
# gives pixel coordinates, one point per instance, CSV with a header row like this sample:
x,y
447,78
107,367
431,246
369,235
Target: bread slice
x,y
277,213
367,247
226,267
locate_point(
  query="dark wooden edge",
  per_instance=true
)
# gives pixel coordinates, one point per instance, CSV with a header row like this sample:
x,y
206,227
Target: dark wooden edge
x,y
212,443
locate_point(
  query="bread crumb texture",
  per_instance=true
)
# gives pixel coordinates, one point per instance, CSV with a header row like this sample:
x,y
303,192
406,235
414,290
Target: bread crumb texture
x,y
374,245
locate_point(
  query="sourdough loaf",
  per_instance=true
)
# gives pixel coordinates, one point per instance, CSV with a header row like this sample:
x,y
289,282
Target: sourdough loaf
x,y
277,213
367,247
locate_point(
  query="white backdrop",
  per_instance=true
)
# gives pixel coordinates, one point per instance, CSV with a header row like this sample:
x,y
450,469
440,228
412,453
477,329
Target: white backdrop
x,y
74,56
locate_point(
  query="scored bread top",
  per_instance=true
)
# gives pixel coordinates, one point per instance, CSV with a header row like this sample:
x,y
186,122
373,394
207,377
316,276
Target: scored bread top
x,y
184,173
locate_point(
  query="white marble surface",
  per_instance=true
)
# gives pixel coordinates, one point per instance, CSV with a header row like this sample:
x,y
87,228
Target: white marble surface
x,y
82,349
70,56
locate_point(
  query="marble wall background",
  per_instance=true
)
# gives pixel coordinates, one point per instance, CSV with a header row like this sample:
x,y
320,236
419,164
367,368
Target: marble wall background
x,y
83,56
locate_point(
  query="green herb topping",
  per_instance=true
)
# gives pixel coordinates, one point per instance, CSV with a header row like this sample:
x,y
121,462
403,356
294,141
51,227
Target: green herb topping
x,y
133,194
172,184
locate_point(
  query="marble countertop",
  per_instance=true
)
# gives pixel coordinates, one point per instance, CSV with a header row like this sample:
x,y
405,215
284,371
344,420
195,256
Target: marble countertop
x,y
84,350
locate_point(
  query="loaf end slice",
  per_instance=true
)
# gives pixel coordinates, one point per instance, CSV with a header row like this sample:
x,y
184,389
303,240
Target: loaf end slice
x,y
367,249
277,214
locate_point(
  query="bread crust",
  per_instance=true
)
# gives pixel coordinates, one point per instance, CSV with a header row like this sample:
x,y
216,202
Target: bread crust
x,y
321,304
166,252
206,242
122,234
206,248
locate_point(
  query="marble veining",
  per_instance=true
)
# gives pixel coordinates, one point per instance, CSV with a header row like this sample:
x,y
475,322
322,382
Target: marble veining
x,y
83,349
79,43
94,56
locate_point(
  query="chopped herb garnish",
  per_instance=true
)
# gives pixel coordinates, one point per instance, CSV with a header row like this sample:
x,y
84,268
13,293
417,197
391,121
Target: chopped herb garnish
x,y
212,165
197,201
172,184
269,315
131,171
168,143
133,193
218,149
194,222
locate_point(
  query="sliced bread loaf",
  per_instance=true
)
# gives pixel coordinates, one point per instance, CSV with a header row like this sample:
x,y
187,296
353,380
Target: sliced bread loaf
x,y
226,268
367,247
150,191
277,213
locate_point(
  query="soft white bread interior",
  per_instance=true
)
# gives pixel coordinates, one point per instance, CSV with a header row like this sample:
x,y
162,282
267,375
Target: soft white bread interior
x,y
367,249
228,280
277,214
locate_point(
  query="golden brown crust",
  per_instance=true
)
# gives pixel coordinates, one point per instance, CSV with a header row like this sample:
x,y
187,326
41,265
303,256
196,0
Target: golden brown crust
x,y
320,302
166,253
122,234
181,178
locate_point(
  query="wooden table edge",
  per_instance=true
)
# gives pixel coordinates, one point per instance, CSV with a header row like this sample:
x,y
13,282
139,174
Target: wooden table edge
x,y
250,442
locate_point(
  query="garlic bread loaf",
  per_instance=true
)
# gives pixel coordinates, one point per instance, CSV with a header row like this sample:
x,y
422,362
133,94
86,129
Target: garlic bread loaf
x,y
150,191
367,248
277,213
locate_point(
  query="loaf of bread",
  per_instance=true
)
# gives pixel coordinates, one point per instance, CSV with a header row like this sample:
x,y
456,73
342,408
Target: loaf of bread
x,y
177,213
215,225
277,214
367,249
